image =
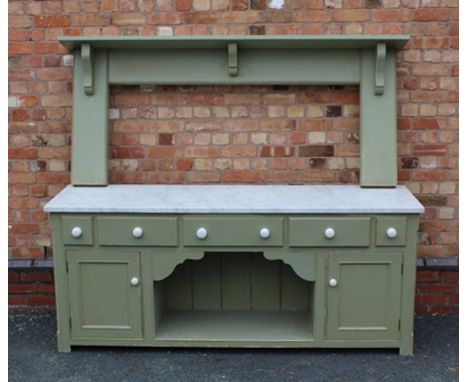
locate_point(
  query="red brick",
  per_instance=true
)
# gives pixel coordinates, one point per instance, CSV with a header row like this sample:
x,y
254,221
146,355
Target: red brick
x,y
390,15
19,115
431,14
351,15
23,153
128,19
165,18
239,151
16,300
431,300
128,152
442,288
164,152
36,276
52,21
15,48
184,164
166,139
13,277
242,176
54,74
183,5
426,123
40,300
427,276
202,152
55,178
431,150
90,20
450,277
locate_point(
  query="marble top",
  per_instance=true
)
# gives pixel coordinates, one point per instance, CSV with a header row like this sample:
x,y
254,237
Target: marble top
x,y
271,199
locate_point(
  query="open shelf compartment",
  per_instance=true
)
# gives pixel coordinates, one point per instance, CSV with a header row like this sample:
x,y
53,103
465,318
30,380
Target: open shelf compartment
x,y
233,297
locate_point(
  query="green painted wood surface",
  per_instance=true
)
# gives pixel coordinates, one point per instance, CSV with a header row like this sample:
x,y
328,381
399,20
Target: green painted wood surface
x,y
366,302
255,66
61,285
408,286
225,287
386,222
217,327
103,303
310,231
90,120
233,231
118,230
220,42
85,223
378,139
230,281
260,59
303,263
206,281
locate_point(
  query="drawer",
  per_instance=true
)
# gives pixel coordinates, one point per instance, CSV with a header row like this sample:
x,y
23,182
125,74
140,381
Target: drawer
x,y
233,231
329,232
77,230
137,231
391,231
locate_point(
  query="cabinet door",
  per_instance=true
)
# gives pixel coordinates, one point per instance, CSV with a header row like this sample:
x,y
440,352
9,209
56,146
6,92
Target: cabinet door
x,y
105,294
363,296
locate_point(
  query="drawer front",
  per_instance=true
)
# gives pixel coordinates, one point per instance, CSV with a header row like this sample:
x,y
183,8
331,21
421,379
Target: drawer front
x,y
137,231
233,231
391,231
329,232
77,230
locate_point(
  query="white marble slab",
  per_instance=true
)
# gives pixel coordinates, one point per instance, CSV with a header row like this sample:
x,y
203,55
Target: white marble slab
x,y
272,199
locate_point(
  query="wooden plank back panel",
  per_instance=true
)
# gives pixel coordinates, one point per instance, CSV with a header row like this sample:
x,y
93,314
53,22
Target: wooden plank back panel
x,y
235,281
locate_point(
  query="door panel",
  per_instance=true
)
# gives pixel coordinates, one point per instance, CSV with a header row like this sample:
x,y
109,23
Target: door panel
x,y
365,303
103,302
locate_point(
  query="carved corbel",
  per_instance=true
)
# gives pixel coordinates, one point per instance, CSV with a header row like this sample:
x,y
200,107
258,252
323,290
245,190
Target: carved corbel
x,y
87,60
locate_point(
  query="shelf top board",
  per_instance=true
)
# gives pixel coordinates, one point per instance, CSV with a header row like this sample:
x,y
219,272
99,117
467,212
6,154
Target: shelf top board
x,y
234,199
244,42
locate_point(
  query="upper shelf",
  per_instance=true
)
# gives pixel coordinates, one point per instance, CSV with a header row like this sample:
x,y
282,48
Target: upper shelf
x,y
247,42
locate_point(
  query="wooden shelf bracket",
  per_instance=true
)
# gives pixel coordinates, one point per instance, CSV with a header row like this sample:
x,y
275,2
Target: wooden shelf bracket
x,y
233,60
381,53
87,59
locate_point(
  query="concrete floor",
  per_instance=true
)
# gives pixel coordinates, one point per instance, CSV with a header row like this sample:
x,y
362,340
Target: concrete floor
x,y
33,357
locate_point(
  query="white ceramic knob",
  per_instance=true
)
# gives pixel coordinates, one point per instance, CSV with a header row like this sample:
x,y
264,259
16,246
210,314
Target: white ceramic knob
x,y
76,232
202,233
392,233
333,283
329,233
264,233
134,281
137,232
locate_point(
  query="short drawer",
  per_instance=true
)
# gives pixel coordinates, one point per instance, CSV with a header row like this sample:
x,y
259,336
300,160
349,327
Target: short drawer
x,y
233,231
137,231
329,232
391,231
77,230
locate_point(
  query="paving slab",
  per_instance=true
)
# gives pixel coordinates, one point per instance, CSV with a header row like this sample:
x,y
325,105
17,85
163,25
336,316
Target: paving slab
x,y
33,357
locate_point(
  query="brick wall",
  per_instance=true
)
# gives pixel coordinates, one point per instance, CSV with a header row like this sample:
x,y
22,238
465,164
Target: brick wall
x,y
257,134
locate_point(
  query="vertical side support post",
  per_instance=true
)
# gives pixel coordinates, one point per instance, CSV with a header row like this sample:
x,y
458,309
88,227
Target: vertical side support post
x,y
90,120
378,133
61,286
408,287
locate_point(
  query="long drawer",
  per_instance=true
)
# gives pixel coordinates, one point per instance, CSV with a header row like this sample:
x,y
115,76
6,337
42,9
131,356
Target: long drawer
x,y
329,232
137,231
235,231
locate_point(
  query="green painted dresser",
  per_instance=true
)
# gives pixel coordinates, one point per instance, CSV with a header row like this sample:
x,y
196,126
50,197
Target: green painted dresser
x,y
243,266
235,266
